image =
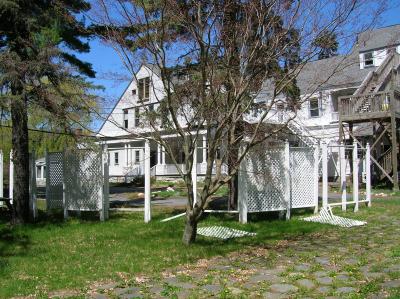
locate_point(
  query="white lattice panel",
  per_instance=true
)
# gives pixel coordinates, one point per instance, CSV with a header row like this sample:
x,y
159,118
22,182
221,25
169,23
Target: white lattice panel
x,y
301,177
261,176
54,181
83,180
263,181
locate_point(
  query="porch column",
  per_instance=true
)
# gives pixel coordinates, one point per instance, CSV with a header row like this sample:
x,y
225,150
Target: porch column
x,y
126,154
158,154
204,149
163,155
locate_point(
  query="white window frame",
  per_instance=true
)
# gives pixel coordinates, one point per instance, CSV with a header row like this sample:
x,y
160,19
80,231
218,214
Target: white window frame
x,y
137,156
372,59
314,109
144,89
137,117
116,158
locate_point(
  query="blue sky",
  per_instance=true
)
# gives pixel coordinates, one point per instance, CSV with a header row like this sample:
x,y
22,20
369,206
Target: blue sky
x,y
113,76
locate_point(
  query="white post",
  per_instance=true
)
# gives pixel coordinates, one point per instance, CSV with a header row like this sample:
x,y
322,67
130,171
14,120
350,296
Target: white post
x,y
368,174
194,174
105,185
287,181
355,176
324,175
11,179
242,198
147,191
126,155
1,177
316,177
343,183
32,188
158,154
204,160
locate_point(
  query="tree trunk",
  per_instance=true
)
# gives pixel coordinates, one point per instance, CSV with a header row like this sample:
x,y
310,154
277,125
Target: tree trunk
x,y
190,232
19,116
233,193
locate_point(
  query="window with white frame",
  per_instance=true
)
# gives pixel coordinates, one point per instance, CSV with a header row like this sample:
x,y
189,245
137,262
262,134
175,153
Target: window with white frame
x,y
116,159
144,89
137,117
368,59
137,156
126,124
315,107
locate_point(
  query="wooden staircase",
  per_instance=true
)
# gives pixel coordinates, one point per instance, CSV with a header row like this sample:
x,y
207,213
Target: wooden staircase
x,y
375,80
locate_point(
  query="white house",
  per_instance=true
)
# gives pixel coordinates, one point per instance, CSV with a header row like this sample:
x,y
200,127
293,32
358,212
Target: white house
x,y
321,83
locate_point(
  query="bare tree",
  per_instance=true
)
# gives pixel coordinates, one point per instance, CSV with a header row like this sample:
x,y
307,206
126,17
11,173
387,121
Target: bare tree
x,y
214,59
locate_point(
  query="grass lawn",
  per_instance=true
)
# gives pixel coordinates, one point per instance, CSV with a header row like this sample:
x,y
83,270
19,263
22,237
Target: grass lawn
x,y
54,255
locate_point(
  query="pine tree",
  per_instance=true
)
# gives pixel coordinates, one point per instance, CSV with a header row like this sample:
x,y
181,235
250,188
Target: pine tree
x,y
37,41
326,44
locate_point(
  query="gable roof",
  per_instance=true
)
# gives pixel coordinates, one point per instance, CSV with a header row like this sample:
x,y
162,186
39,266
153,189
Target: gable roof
x,y
379,38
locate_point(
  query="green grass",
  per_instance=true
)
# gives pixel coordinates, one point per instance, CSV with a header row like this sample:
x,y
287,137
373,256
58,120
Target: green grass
x,y
54,254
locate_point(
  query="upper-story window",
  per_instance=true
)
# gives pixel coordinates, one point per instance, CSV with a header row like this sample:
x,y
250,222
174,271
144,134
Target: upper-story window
x,y
315,107
144,89
137,117
133,92
126,119
368,59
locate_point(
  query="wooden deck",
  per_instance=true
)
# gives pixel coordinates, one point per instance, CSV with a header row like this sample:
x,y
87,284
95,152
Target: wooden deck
x,y
364,108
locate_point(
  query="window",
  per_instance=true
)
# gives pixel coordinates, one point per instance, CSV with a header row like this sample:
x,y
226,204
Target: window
x,y
137,156
137,117
151,107
39,172
144,89
133,92
314,107
126,118
116,159
368,59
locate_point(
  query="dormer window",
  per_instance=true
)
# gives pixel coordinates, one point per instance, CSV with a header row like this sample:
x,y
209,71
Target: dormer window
x,y
144,89
368,59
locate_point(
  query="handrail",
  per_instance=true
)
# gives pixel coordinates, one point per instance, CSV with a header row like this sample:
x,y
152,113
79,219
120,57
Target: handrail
x,y
391,57
375,102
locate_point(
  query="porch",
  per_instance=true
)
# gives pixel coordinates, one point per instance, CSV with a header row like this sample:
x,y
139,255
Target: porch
x,y
126,159
361,108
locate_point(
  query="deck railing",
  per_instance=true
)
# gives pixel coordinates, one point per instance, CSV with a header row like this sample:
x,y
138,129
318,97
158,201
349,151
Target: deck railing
x,y
370,103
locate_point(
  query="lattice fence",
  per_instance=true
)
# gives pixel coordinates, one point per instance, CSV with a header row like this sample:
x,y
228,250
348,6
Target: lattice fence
x,y
83,180
54,180
77,181
301,177
272,180
261,180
